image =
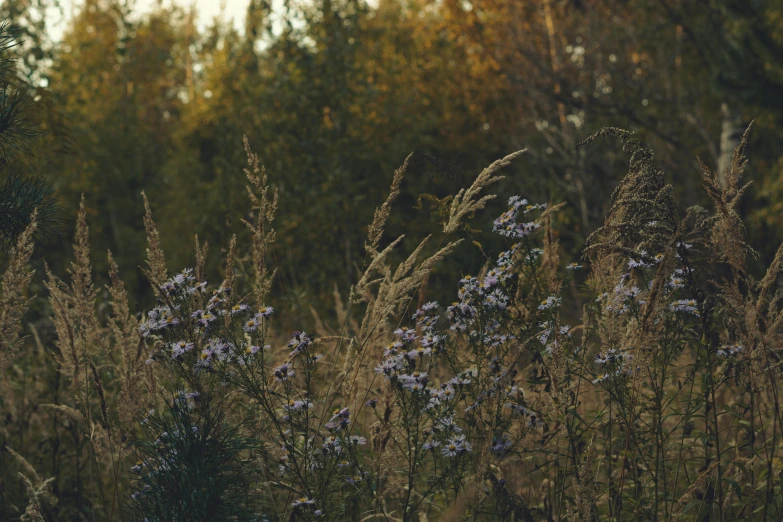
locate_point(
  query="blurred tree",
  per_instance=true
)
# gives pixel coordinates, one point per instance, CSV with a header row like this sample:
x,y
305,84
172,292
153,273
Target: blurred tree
x,y
121,83
20,194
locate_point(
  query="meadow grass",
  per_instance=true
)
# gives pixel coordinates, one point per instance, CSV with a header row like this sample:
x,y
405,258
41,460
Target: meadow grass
x,y
638,382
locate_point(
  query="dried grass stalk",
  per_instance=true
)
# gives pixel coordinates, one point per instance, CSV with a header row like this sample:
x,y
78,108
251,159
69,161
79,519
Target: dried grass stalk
x,y
13,299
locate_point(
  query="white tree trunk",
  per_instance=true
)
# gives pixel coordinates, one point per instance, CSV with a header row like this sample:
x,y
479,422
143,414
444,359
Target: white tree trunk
x,y
730,135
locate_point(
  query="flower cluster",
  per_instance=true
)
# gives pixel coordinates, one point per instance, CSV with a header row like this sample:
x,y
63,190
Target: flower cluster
x,y
623,298
685,306
730,351
221,332
616,362
509,223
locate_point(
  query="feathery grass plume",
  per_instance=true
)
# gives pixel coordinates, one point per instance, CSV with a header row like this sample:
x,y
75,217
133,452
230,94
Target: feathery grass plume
x,y
26,466
73,306
339,308
68,353
382,213
156,261
102,397
696,485
13,302
33,511
643,215
586,489
229,276
263,235
201,259
71,413
320,327
82,291
727,228
467,201
198,272
394,290
124,328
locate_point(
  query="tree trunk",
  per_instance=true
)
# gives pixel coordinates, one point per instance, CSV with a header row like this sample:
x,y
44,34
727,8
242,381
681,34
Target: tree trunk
x,y
730,135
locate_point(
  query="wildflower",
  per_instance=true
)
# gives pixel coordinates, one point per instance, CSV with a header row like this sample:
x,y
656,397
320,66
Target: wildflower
x,y
573,266
372,403
685,306
414,387
501,445
427,307
456,445
340,419
341,413
419,351
303,501
238,309
299,343
254,349
451,449
550,302
730,351
460,380
265,312
251,325
283,372
612,356
298,405
186,276
430,445
214,302
147,417
388,368
331,445
639,263
446,393
357,440
507,225
206,353
677,280
203,318
405,334
198,287
512,391
419,377
446,425
516,201
430,340
354,480
180,348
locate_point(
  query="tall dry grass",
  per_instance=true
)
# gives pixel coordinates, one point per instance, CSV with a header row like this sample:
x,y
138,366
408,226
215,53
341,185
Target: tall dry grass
x,y
658,400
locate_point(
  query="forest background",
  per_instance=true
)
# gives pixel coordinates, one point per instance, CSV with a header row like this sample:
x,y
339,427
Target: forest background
x,y
334,94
